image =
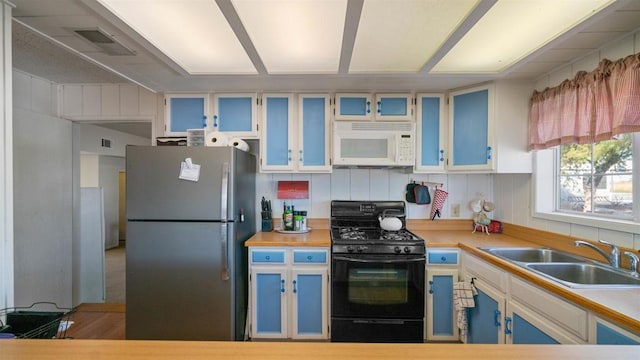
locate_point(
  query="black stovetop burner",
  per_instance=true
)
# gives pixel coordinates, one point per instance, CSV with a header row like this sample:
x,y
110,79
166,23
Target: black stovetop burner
x,y
355,228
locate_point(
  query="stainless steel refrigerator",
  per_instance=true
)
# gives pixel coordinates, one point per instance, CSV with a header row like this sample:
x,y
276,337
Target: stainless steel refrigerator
x,y
186,267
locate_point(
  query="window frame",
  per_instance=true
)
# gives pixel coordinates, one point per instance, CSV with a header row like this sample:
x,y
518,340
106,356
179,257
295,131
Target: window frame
x,y
557,178
545,190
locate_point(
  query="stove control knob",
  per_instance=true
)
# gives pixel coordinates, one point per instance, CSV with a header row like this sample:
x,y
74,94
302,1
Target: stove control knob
x,y
397,250
350,249
361,248
407,249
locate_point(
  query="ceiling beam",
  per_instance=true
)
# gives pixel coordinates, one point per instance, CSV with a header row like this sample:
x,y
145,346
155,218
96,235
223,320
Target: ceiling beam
x,y
476,14
351,22
230,13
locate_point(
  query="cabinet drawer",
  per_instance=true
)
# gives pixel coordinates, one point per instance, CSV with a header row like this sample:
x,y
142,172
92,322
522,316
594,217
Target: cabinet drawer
x,y
477,267
312,257
563,313
264,256
446,257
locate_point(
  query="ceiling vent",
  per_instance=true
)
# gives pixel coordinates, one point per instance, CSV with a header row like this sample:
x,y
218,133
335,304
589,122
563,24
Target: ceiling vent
x,y
104,41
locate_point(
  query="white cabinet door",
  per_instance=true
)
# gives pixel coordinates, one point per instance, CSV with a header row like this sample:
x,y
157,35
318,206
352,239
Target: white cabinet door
x,y
309,302
277,143
269,294
394,107
185,111
441,317
470,137
431,127
525,326
314,134
354,107
607,333
236,114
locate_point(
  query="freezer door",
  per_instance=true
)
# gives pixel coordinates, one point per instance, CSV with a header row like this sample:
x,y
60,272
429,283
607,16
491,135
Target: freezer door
x,y
154,191
175,290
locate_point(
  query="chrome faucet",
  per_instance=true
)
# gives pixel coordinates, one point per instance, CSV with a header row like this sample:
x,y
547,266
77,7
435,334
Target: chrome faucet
x,y
634,260
613,257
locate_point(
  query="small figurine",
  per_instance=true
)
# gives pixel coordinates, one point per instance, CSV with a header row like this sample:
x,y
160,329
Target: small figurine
x,y
481,219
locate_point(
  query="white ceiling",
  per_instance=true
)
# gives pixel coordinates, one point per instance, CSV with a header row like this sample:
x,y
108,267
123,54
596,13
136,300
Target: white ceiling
x,y
45,45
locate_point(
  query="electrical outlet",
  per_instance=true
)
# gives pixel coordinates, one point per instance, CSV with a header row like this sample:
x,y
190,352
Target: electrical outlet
x,y
455,210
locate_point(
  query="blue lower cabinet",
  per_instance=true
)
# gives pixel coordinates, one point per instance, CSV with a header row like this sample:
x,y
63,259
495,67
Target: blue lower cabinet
x,y
523,332
484,320
269,295
289,300
307,288
606,335
441,325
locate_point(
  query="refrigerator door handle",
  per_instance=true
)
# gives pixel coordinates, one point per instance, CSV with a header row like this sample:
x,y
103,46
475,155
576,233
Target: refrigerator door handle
x,y
223,218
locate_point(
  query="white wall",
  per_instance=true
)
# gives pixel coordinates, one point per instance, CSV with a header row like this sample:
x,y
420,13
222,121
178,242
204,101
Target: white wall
x,y
89,170
110,167
514,192
43,195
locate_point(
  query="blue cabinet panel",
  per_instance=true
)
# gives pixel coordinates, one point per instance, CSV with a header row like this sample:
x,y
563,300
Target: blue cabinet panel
x,y
430,146
269,288
187,113
316,257
608,336
483,320
392,106
234,114
354,106
308,288
525,333
268,257
313,131
436,257
470,128
277,122
442,288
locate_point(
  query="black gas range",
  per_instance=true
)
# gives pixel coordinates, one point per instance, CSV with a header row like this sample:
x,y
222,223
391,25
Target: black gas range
x,y
355,228
377,276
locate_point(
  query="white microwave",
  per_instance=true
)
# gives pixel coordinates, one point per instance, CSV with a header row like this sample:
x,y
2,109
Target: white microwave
x,y
373,143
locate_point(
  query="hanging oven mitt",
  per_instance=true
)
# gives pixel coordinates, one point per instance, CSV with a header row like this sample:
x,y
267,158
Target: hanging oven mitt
x,y
439,196
410,194
421,194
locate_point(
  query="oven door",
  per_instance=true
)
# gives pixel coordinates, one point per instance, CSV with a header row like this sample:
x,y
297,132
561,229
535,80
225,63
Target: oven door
x,y
378,286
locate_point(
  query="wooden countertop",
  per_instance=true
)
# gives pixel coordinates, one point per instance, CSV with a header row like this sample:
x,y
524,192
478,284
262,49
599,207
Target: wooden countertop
x,y
617,305
158,350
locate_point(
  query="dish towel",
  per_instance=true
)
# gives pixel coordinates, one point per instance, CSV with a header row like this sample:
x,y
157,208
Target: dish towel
x,y
463,293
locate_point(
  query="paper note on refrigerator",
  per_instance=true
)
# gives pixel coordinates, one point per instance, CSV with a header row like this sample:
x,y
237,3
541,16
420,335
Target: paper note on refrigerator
x,y
189,171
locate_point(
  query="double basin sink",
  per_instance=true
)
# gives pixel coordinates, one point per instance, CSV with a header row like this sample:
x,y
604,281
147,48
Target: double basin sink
x,y
568,269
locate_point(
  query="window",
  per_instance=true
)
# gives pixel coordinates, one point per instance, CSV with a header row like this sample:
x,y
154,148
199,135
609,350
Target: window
x,y
597,179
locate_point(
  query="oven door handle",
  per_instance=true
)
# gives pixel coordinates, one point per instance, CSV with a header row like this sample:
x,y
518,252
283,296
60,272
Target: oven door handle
x,y
366,261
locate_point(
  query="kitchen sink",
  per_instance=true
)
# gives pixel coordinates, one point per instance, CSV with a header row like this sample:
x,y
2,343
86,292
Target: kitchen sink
x,y
534,255
584,275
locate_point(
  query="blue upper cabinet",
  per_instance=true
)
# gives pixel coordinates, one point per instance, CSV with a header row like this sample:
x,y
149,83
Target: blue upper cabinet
x,y
314,133
277,148
471,139
354,107
235,114
394,107
431,133
295,142
185,111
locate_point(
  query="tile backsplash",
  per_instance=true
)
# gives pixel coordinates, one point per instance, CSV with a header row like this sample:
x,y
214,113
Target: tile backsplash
x,y
375,184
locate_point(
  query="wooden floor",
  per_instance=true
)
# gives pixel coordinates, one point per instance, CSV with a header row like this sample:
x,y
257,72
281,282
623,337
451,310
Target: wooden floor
x,y
97,321
104,321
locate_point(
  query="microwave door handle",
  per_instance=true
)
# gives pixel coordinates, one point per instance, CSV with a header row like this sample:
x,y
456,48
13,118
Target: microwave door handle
x,y
378,261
